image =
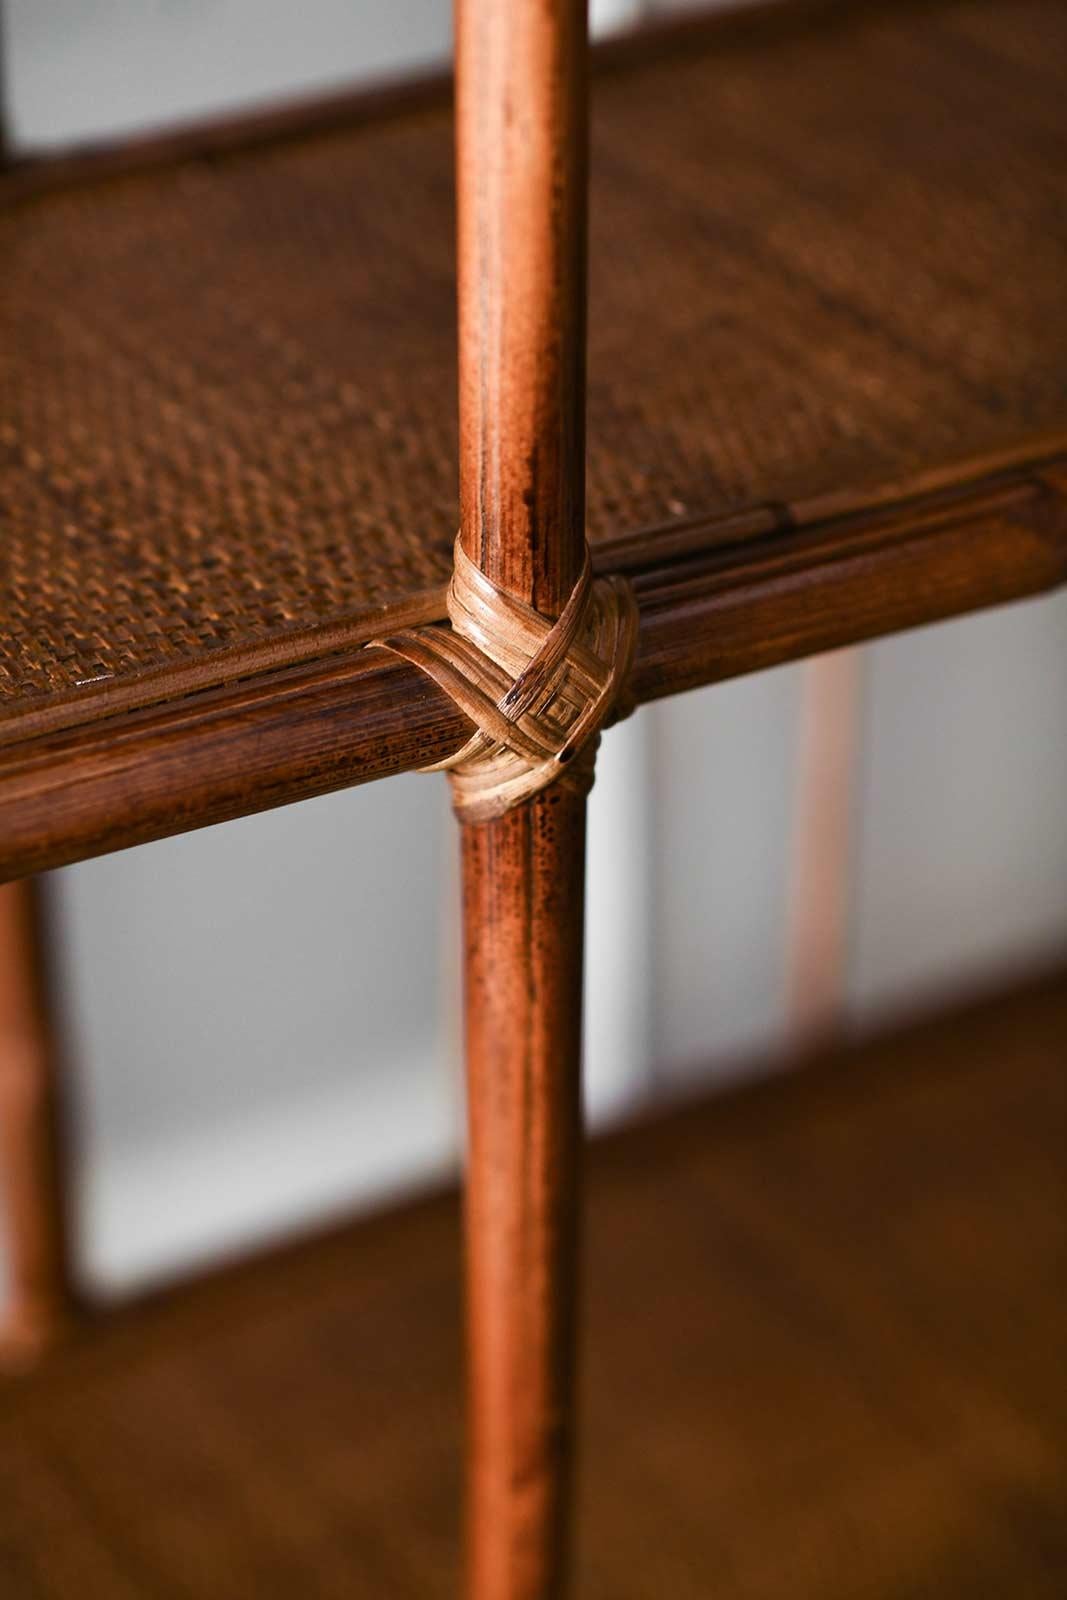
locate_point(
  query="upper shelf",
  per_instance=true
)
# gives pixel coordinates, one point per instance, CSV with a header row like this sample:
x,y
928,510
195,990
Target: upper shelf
x,y
828,254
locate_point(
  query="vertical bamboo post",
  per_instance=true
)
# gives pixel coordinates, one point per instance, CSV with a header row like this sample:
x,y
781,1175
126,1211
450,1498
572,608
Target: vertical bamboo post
x,y
521,162
822,850
30,1188
31,1210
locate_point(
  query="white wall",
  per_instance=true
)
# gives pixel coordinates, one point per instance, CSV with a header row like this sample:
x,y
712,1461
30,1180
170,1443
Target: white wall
x,y
258,1013
85,70
264,1015
720,835
962,805
81,70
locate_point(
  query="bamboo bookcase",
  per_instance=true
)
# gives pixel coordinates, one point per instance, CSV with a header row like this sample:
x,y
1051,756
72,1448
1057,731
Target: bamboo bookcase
x,y
826,400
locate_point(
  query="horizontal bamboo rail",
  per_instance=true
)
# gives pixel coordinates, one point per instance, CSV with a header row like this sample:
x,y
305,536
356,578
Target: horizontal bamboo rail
x,y
716,600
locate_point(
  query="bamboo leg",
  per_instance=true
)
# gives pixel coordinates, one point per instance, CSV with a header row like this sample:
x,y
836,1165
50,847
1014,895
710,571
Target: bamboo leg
x,y
30,1189
523,878
822,850
521,166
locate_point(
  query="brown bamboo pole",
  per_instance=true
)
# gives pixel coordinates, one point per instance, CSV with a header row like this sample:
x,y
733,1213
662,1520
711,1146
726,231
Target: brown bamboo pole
x,y
34,1221
521,162
820,890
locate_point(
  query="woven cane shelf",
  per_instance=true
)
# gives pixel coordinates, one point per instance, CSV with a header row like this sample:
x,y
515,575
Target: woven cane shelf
x,y
827,399
863,1397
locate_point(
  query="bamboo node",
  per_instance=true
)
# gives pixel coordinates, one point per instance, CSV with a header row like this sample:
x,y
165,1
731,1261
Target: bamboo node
x,y
537,691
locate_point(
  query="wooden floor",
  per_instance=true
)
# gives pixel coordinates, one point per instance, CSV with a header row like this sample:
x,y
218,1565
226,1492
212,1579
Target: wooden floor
x,y
825,1361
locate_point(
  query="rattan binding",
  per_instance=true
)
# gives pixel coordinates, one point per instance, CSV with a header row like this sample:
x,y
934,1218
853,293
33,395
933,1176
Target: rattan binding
x,y
538,692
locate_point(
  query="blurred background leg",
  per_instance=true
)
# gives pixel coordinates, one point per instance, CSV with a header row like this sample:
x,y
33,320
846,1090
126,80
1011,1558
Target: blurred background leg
x,y
35,1233
820,891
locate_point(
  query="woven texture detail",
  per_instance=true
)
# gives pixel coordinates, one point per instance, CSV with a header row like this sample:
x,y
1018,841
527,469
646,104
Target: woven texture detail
x,y
823,254
537,691
822,1359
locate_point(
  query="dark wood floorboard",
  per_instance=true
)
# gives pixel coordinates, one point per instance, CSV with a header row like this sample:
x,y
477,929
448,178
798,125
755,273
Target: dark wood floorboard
x,y
824,1360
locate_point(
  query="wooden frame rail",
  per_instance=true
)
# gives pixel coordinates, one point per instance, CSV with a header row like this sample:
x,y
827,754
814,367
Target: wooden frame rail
x,y
716,600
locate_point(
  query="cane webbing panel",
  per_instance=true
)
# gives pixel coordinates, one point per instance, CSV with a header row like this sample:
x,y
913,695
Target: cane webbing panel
x,y
823,1330
831,253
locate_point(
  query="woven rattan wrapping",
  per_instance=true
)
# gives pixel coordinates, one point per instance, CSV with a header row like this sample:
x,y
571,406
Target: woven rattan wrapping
x,y
830,254
538,692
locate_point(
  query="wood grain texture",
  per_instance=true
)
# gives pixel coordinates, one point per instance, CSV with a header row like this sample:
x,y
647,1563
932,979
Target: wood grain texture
x,y
33,1218
523,878
522,184
716,600
822,1352
521,167
794,594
